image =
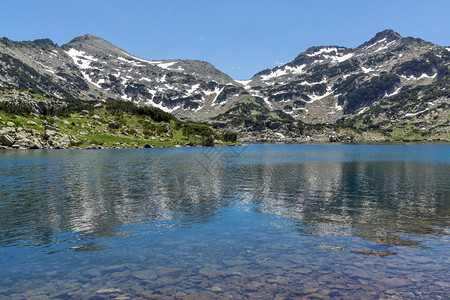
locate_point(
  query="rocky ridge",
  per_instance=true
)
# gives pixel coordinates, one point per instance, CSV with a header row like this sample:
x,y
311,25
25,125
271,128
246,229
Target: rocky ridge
x,y
384,84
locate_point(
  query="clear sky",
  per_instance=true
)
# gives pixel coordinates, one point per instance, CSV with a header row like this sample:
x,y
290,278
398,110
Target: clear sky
x,y
239,37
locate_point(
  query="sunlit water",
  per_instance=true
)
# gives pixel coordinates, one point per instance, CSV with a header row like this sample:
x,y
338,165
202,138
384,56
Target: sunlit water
x,y
262,221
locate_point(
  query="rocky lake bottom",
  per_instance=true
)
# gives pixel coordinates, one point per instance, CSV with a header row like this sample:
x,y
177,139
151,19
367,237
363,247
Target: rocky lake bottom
x,y
261,221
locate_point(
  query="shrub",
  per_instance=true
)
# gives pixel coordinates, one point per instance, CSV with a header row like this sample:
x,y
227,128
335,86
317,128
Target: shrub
x,y
230,136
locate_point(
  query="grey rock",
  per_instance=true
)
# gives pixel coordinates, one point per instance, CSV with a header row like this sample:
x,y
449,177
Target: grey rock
x,y
148,146
65,122
31,122
114,125
6,140
85,112
108,291
53,127
7,130
98,105
146,275
65,140
48,134
96,117
10,124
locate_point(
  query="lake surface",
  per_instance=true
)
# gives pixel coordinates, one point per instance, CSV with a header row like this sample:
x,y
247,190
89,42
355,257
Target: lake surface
x,y
261,221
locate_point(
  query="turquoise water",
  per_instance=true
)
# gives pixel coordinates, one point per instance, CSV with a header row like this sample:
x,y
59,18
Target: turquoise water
x,y
261,221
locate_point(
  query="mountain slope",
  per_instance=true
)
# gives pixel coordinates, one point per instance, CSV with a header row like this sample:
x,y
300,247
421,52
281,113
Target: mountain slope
x,y
384,84
92,68
324,84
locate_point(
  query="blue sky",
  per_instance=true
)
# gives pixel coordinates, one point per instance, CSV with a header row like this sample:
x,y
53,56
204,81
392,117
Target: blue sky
x,y
238,37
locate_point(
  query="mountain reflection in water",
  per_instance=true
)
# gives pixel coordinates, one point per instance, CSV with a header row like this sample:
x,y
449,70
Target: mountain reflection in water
x,y
76,197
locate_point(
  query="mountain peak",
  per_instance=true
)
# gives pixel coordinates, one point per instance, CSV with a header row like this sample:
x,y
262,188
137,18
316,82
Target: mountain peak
x,y
388,34
86,38
93,43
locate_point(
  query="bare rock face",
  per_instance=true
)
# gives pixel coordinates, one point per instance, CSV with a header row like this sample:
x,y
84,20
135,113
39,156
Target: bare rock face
x,y
6,140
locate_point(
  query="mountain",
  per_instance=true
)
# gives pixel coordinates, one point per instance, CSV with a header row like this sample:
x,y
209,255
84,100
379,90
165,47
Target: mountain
x,y
92,68
390,86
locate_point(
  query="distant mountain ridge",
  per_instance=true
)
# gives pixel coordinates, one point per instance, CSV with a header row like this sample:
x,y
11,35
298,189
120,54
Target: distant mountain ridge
x,y
388,78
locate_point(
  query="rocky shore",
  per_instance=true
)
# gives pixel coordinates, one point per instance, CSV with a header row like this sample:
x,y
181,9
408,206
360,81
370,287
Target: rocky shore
x,y
28,138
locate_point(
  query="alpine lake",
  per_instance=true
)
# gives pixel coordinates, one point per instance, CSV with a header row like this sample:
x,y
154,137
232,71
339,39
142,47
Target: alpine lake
x,y
250,222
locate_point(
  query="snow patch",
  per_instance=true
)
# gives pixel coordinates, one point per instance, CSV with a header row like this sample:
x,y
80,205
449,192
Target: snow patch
x,y
377,42
415,114
217,95
86,76
339,58
166,65
424,75
296,70
385,46
163,108
314,83
153,62
367,70
427,76
277,73
315,97
343,57
125,97
192,89
80,58
338,107
283,71
323,50
363,110
245,83
394,92
216,91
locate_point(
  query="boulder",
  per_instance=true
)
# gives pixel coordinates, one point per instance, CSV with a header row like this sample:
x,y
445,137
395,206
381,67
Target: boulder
x,y
29,122
53,127
48,134
98,105
114,125
148,146
65,122
96,117
28,144
10,124
65,140
6,140
85,112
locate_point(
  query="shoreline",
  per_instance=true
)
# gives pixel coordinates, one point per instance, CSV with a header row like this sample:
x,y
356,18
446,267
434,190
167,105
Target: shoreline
x,y
368,143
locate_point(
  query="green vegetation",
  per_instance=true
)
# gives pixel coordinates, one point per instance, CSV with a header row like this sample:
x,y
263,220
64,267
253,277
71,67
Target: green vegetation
x,y
137,126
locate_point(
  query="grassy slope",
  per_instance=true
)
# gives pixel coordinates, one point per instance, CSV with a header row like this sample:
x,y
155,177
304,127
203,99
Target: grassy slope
x,y
135,130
